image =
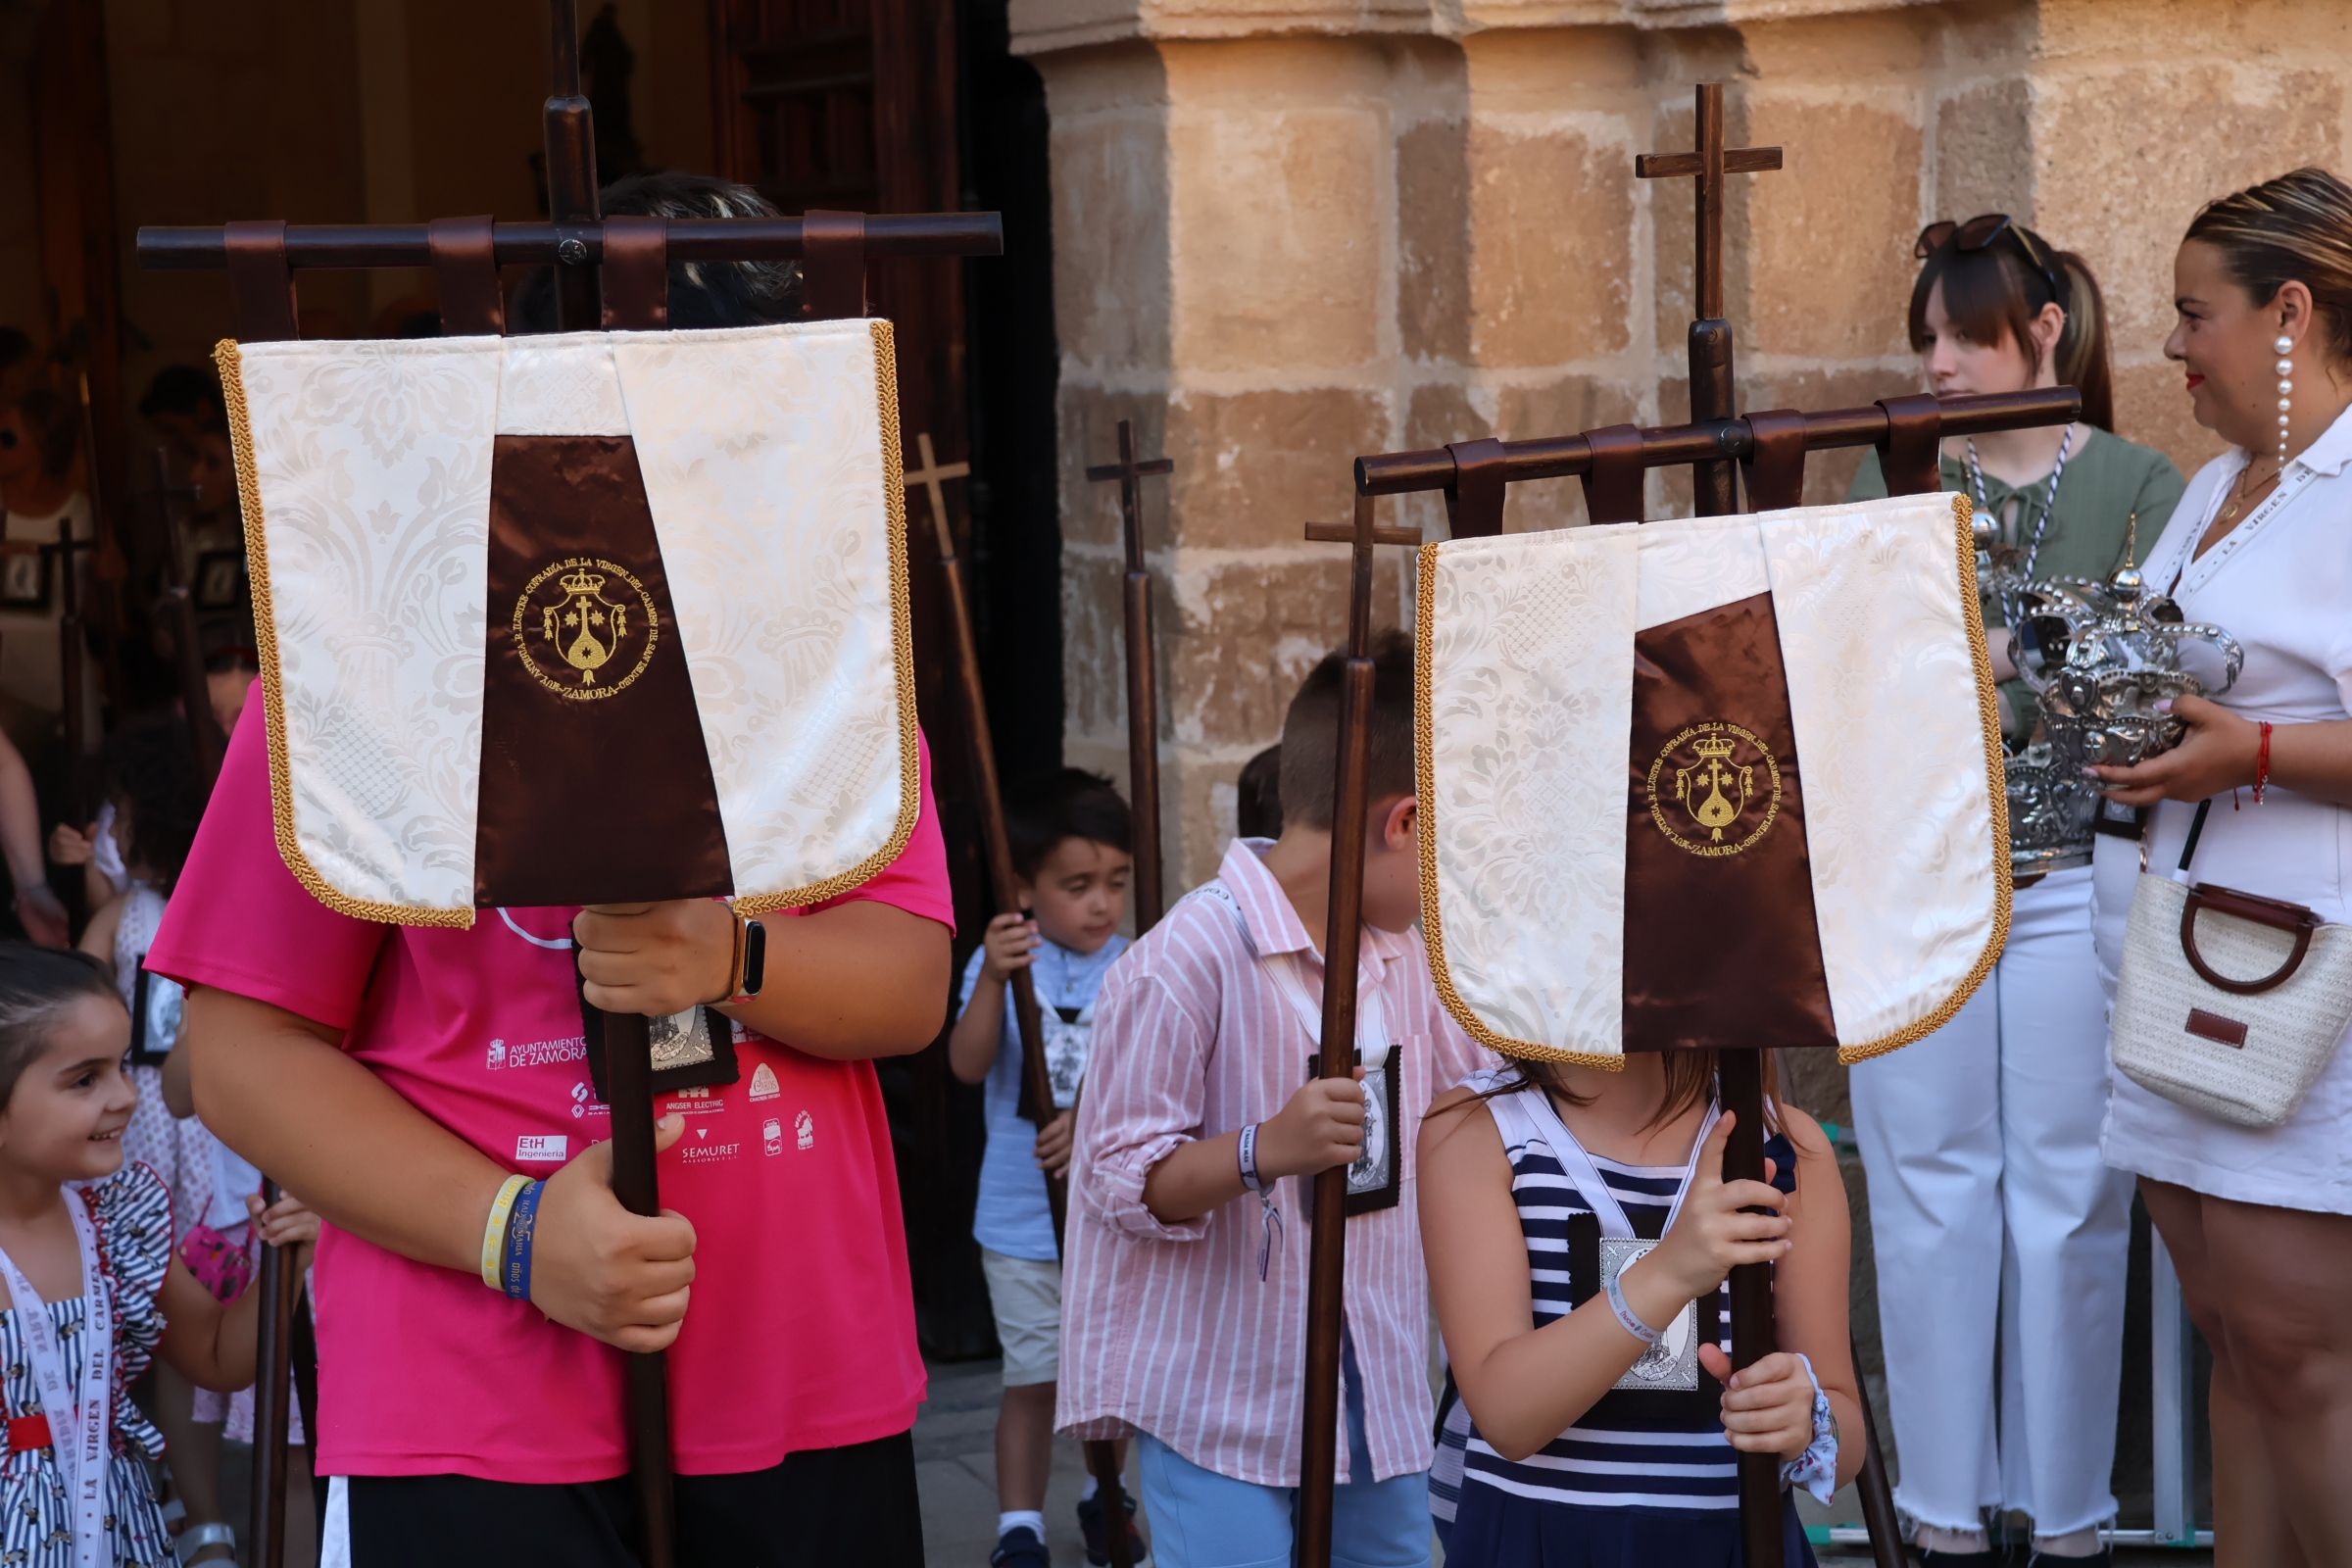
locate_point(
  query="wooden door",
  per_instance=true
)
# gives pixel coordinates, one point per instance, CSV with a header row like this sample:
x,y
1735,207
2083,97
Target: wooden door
x,y
850,103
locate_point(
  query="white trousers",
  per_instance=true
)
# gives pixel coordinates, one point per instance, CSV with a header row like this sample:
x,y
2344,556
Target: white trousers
x,y
1995,1220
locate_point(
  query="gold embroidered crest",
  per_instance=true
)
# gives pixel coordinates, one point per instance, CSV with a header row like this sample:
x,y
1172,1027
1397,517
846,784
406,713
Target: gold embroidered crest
x,y
1715,789
586,628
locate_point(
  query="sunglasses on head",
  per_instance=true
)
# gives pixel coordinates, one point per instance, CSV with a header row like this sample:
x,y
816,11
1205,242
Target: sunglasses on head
x,y
1981,233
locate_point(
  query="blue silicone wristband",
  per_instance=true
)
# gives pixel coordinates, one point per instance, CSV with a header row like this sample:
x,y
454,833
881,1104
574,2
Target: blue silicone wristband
x,y
522,1228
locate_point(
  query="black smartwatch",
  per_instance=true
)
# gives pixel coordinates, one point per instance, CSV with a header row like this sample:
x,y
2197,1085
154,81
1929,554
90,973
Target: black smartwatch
x,y
755,961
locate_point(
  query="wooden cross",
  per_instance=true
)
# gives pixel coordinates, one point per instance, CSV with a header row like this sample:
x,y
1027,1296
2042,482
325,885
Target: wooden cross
x,y
1710,162
195,694
1143,690
932,477
1037,1085
1131,475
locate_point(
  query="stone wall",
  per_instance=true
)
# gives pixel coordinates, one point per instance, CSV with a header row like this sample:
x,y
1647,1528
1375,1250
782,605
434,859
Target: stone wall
x,y
1287,232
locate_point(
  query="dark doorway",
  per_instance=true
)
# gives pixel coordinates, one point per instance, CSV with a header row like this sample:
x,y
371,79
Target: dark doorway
x,y
917,106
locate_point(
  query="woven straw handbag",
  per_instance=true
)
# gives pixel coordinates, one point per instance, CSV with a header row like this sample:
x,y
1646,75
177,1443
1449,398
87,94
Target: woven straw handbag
x,y
2228,1002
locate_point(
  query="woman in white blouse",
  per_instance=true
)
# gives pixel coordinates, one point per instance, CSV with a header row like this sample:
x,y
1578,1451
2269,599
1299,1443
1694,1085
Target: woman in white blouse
x,y
2259,1221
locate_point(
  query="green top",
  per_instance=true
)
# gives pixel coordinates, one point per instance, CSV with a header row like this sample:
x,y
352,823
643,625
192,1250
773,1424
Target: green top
x,y
2107,479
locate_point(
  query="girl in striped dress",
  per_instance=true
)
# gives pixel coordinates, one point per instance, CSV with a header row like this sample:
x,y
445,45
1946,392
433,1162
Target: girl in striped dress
x,y
1579,1232
93,1293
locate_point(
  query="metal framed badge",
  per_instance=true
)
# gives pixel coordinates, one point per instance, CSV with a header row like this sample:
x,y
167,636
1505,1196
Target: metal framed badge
x,y
1374,1181
155,1007
1670,1366
691,1050
1068,1045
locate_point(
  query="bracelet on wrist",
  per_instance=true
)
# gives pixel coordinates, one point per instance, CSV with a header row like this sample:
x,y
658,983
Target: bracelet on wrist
x,y
1627,1318
522,1224
2262,764
1251,1180
494,1229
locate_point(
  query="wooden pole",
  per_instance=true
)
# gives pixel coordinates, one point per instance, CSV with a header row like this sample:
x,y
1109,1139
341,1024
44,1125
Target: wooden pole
x,y
1327,1261
1037,1084
571,199
1143,680
180,600
281,1291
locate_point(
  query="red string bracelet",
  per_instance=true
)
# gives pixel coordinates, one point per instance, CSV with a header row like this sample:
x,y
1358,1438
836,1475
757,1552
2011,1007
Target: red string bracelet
x,y
2262,765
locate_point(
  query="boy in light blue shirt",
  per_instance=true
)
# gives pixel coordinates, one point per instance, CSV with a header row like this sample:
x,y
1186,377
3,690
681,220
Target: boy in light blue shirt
x,y
1070,837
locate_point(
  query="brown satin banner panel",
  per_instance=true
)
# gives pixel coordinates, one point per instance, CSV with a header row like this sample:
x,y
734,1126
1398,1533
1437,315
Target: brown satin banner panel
x,y
596,786
1721,946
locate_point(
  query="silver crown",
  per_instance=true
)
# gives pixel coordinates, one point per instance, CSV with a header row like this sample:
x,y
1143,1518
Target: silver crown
x,y
2101,655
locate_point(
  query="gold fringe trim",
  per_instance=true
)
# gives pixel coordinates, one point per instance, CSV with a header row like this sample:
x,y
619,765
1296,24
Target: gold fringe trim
x,y
229,363
1988,705
902,642
1432,923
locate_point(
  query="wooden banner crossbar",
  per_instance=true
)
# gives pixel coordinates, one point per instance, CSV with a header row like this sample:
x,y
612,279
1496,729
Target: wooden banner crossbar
x,y
1396,474
580,244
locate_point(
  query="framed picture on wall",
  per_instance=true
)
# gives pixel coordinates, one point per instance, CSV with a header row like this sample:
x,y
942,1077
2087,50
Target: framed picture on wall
x,y
220,579
23,575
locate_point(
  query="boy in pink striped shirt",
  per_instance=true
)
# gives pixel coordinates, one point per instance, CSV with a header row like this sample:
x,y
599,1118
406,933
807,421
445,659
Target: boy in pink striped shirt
x,y
1183,1307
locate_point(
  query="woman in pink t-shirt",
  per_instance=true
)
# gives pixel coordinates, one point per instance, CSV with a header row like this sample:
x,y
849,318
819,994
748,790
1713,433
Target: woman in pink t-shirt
x,y
399,1077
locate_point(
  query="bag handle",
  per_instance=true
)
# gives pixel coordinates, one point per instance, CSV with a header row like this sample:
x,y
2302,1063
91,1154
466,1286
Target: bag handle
x,y
1613,484
465,275
2275,913
1474,500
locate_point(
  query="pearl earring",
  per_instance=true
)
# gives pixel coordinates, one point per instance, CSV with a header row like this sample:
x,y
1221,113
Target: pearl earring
x,y
2286,389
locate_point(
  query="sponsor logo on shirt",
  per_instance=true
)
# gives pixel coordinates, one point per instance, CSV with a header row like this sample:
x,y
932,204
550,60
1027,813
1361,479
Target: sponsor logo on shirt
x,y
580,1100
502,1055
703,1152
541,1149
804,1126
772,1136
764,1083
702,1102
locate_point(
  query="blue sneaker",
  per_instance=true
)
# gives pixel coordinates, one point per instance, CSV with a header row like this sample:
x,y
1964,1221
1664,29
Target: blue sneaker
x,y
1093,1525
1020,1548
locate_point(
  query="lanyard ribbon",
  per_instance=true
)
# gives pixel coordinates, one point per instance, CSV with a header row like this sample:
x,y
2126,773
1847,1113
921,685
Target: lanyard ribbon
x,y
80,1421
1586,1176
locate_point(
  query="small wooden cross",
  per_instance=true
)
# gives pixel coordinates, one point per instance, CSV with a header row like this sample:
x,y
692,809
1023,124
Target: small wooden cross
x,y
1710,162
1131,474
933,476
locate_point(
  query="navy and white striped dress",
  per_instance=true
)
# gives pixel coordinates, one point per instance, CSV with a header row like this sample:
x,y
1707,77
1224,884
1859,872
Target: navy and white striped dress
x,y
1641,1477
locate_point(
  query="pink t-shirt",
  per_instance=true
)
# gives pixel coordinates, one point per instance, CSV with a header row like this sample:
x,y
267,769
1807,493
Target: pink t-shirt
x,y
800,1334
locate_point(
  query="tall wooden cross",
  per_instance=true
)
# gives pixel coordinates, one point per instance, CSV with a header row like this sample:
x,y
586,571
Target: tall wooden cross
x,y
262,259
1710,166
179,599
1143,684
1036,1082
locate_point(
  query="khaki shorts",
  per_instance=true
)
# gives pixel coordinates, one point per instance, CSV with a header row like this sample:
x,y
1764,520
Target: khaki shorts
x,y
1026,1296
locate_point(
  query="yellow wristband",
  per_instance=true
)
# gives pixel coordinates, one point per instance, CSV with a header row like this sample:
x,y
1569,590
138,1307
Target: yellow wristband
x,y
493,1233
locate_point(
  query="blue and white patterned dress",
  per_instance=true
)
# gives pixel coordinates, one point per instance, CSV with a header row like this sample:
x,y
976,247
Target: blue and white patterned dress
x,y
131,1212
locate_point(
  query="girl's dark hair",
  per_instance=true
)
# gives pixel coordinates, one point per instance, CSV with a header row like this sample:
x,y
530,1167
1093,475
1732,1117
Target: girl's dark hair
x,y
1689,1081
701,294
151,762
36,984
1067,804
1994,292
2298,225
